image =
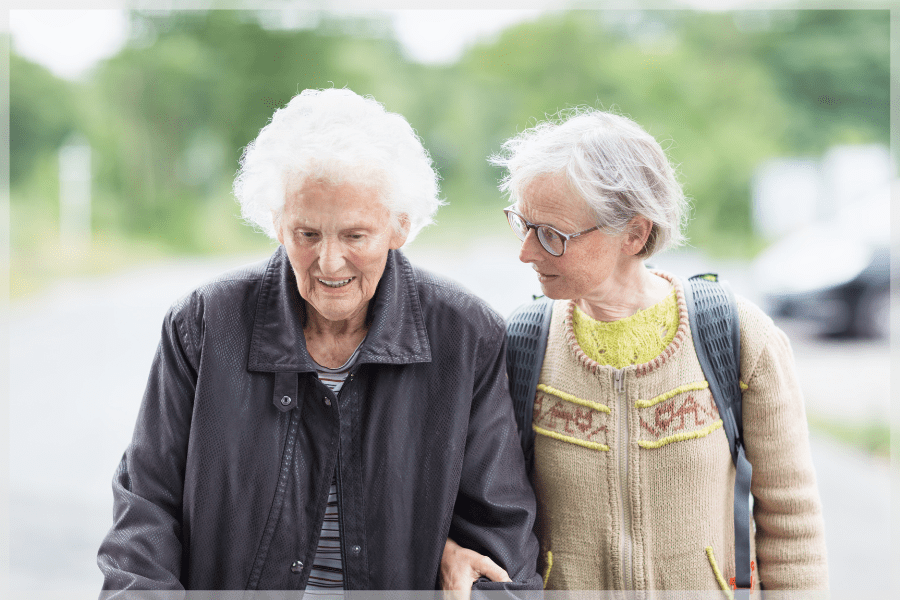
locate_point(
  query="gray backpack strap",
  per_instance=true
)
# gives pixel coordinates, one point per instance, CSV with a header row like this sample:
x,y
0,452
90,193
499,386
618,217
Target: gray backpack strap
x,y
526,340
716,331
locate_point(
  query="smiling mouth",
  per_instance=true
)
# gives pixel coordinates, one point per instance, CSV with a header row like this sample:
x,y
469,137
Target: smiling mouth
x,y
335,284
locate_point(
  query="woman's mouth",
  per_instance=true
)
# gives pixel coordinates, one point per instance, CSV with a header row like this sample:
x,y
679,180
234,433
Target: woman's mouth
x,y
335,283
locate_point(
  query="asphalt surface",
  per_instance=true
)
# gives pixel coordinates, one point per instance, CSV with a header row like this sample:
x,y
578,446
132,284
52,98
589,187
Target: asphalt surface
x,y
79,359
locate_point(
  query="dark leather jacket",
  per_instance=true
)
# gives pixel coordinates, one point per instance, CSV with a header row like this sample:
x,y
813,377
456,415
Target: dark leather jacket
x,y
225,481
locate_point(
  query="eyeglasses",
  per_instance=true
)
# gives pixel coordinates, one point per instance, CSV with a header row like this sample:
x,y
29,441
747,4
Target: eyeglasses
x,y
552,239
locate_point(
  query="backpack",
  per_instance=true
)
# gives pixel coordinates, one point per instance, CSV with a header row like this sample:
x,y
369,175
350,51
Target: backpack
x,y
713,317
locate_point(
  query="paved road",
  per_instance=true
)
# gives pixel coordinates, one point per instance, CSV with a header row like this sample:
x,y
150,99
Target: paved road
x,y
79,360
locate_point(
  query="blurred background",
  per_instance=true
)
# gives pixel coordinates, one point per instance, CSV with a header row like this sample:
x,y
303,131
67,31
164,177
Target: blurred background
x,y
126,128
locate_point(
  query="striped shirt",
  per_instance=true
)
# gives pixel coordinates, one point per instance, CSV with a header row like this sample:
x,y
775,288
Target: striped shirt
x,y
327,574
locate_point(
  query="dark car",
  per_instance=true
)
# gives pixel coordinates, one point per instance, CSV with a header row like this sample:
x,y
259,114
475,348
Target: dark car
x,y
836,272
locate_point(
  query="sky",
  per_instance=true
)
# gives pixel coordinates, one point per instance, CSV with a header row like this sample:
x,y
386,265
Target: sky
x,y
69,42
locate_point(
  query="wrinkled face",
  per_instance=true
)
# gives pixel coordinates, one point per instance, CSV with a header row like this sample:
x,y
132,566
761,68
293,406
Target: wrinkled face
x,y
337,238
587,268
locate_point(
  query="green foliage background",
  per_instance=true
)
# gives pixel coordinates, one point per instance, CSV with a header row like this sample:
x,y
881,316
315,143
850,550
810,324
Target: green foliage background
x,y
168,116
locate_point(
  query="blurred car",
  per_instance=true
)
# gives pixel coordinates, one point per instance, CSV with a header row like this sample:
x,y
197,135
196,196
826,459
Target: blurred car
x,y
835,272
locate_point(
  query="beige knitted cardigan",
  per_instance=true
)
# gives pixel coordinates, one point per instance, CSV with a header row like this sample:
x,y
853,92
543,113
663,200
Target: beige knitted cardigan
x,y
634,478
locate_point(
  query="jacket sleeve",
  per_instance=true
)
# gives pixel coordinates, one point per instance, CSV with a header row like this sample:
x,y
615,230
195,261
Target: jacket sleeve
x,y
495,508
790,534
143,550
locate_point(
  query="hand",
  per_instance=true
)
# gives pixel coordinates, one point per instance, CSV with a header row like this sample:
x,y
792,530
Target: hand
x,y
461,567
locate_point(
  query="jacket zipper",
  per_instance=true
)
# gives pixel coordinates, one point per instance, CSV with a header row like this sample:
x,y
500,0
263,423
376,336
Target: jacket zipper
x,y
622,430
341,533
337,477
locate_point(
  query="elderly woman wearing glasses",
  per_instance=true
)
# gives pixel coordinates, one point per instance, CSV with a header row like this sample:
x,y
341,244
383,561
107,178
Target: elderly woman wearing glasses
x,y
632,468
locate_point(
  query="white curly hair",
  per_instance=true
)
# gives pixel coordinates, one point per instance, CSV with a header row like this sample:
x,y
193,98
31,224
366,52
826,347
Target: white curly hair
x,y
338,136
619,169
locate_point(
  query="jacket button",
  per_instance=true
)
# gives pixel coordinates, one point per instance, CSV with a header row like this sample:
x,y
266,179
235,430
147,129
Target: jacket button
x,y
355,550
327,401
297,567
285,400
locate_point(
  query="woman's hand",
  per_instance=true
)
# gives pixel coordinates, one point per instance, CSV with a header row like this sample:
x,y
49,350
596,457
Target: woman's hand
x,y
461,567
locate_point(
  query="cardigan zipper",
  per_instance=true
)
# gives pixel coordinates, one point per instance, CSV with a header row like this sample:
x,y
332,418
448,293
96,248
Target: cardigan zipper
x,y
622,429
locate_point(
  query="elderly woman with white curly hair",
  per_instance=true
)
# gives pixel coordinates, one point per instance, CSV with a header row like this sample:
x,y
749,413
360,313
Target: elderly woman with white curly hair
x,y
325,419
632,466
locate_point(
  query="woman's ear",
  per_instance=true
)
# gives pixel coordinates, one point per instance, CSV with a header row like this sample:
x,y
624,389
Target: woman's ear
x,y
276,223
636,234
399,234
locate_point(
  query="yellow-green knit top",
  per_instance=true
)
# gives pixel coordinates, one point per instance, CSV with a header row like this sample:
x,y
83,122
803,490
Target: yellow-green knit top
x,y
630,341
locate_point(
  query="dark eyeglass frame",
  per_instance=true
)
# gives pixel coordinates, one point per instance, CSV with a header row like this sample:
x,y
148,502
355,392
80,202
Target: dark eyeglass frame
x,y
565,237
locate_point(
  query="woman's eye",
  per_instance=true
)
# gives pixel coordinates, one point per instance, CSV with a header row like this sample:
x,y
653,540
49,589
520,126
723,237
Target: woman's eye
x,y
308,235
355,236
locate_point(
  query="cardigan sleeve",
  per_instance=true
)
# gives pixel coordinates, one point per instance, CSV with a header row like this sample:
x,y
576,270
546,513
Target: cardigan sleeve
x,y
790,533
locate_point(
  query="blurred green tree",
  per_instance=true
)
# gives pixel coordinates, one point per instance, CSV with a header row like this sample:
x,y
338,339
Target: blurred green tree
x,y
41,115
168,116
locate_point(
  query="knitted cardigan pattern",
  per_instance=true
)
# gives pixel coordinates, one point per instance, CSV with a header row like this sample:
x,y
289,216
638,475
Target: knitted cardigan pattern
x,y
634,478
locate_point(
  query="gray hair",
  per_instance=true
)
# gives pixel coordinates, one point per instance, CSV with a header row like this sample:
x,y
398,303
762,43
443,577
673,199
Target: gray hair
x,y
619,169
337,136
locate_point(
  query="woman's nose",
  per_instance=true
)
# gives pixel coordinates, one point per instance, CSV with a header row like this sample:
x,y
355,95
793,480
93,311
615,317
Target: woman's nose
x,y
331,257
531,248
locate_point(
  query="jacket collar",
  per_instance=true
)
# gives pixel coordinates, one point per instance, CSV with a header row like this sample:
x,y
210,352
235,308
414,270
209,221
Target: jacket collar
x,y
397,333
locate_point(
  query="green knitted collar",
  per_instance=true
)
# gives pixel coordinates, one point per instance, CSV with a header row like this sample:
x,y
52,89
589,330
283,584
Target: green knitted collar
x,y
630,341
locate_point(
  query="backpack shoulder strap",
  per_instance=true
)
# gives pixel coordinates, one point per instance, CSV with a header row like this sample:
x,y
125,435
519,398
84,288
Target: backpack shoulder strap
x,y
526,340
716,331
715,328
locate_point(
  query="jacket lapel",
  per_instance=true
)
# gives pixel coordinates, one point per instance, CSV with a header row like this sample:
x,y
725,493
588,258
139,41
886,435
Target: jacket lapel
x,y
277,342
397,333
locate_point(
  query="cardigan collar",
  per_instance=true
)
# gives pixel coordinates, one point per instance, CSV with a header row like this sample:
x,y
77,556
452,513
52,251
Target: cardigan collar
x,y
641,369
396,334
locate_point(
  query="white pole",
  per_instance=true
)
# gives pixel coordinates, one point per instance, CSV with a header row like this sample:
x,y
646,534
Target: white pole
x,y
75,196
